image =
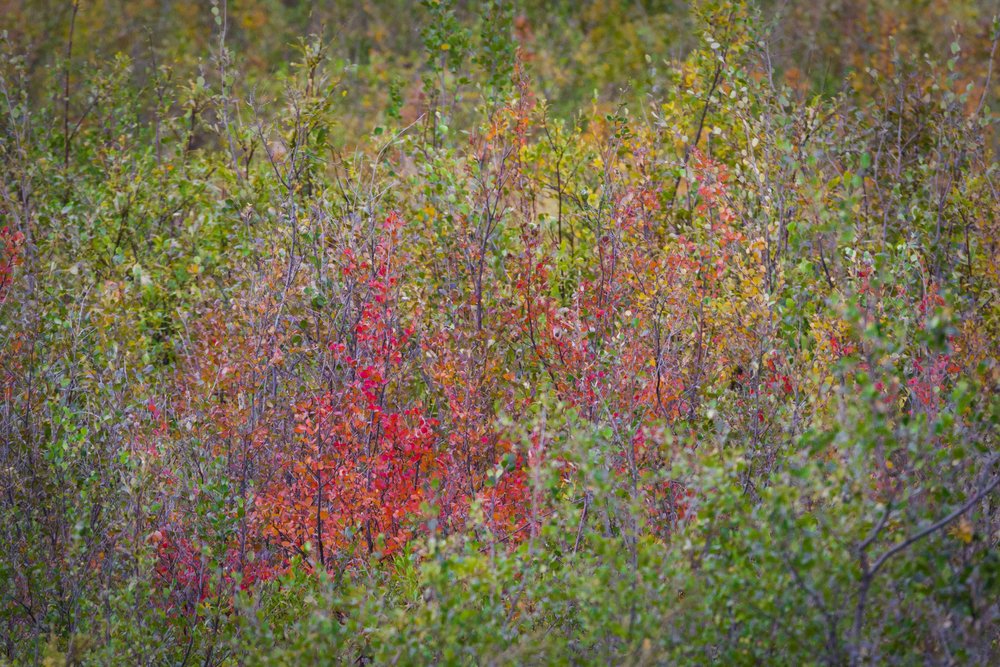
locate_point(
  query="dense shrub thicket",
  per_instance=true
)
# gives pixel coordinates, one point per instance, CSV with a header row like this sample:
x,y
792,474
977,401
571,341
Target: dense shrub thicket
x,y
498,333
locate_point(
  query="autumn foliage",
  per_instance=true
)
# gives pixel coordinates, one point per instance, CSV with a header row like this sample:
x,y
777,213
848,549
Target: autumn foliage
x,y
522,333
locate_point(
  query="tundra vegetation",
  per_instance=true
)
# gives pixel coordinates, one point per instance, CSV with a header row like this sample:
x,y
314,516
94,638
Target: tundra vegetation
x,y
535,332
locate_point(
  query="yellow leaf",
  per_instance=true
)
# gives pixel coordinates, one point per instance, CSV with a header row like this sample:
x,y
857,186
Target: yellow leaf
x,y
962,530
